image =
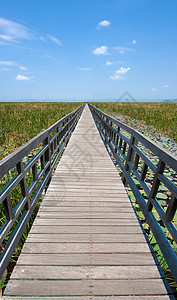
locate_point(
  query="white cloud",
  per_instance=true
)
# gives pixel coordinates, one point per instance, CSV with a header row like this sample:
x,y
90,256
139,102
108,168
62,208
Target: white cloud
x,y
108,63
54,39
154,89
120,74
22,68
42,39
165,86
122,50
134,42
8,63
11,31
103,50
85,69
104,23
6,69
6,38
22,77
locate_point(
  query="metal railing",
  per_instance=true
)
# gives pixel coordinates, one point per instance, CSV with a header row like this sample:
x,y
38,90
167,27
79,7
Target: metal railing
x,y
149,176
30,168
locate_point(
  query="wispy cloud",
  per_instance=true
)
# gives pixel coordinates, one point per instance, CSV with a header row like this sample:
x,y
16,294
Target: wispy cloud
x,y
43,39
6,69
54,39
11,31
122,50
103,50
22,68
85,69
154,89
120,74
104,23
165,86
22,77
8,63
109,63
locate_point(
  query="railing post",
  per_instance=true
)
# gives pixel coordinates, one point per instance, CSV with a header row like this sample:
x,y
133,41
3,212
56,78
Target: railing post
x,y
117,138
47,157
156,183
34,171
129,157
23,184
110,132
171,210
8,209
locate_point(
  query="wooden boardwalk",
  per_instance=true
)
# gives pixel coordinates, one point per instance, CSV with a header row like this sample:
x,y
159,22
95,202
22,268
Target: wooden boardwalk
x,y
86,242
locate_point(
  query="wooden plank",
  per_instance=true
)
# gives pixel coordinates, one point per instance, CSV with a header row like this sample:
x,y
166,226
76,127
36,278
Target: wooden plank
x,y
86,272
93,215
54,248
90,193
87,237
81,287
107,204
88,221
87,188
94,193
123,198
85,229
82,210
163,297
115,259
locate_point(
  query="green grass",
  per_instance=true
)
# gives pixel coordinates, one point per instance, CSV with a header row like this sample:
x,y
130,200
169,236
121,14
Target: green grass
x,y
162,116
19,122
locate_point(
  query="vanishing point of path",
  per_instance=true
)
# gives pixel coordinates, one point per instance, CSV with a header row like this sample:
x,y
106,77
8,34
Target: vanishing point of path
x,y
86,242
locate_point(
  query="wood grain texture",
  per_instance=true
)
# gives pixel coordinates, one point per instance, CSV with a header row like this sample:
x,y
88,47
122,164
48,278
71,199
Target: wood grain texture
x,y
163,297
86,272
85,287
54,248
105,259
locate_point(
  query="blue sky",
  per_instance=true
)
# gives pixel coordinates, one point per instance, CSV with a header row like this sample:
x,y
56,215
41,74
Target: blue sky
x,y
88,49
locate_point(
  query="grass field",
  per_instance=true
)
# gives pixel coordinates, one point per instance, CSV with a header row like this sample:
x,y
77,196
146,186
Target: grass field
x,y
19,122
162,116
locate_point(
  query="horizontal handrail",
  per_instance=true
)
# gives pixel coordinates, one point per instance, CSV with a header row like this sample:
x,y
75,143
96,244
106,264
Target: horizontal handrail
x,y
140,172
32,173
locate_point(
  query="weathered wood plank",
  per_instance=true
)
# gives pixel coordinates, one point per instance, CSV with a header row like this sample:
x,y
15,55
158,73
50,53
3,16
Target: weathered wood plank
x,y
163,297
86,229
87,237
81,287
93,215
90,193
107,204
115,259
64,198
84,221
86,272
83,210
54,248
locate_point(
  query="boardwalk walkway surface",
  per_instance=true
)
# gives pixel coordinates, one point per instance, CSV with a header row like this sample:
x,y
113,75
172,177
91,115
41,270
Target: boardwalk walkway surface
x,y
86,242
